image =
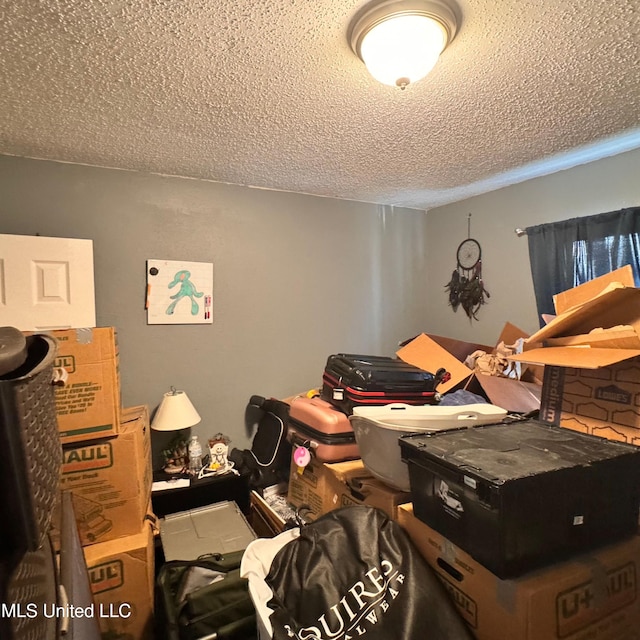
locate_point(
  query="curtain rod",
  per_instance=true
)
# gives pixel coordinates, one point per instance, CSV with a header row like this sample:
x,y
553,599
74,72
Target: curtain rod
x,y
520,232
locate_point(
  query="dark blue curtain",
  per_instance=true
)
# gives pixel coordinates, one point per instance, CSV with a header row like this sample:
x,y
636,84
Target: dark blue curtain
x,y
568,253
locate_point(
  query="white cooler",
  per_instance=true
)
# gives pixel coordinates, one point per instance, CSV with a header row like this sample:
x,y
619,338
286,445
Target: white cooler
x,y
377,430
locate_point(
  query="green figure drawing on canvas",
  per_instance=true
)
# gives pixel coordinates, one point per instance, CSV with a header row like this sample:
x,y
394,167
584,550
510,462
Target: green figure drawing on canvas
x,y
187,290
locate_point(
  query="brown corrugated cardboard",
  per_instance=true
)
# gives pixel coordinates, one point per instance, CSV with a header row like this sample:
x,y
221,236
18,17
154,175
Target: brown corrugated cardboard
x,y
592,597
513,395
427,354
88,404
459,349
615,306
622,337
110,480
565,300
121,573
602,402
583,357
592,381
324,487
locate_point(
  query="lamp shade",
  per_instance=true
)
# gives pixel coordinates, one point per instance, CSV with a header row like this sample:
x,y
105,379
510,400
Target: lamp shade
x,y
175,412
400,41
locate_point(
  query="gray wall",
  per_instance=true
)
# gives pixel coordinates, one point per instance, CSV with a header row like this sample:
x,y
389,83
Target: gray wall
x,y
295,278
605,185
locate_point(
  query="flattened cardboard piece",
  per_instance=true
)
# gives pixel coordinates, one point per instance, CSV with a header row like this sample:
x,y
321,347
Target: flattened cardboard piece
x,y
564,301
427,354
458,348
593,596
612,308
580,357
509,334
621,337
513,395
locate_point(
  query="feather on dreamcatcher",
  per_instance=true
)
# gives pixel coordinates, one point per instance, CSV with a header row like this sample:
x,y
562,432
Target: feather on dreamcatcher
x,y
466,288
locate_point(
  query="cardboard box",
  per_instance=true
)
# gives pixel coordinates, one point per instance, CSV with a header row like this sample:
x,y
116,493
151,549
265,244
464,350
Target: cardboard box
x,y
431,352
428,353
110,480
603,402
518,396
88,404
591,354
592,597
324,487
121,574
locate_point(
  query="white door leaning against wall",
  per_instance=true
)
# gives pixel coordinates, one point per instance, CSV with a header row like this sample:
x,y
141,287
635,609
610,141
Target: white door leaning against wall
x,y
46,283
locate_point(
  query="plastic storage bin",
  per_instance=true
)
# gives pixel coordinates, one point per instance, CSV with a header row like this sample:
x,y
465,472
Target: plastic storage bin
x,y
216,528
377,430
523,495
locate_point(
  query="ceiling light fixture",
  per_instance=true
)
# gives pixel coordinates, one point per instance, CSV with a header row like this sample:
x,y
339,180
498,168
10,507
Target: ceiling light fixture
x,y
400,41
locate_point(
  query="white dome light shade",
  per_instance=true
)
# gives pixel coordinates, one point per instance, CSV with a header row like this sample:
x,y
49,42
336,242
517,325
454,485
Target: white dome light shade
x,y
400,40
403,48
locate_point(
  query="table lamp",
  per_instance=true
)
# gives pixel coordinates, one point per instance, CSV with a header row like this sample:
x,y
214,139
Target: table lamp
x,y
174,414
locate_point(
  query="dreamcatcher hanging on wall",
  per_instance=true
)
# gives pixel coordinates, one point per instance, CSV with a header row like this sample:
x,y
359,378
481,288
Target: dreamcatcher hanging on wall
x,y
466,288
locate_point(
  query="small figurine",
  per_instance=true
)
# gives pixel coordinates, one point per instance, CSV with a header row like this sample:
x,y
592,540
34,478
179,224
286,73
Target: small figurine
x,y
218,453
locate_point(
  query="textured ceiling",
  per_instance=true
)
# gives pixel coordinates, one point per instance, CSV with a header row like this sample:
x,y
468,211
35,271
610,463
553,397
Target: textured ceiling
x,y
269,94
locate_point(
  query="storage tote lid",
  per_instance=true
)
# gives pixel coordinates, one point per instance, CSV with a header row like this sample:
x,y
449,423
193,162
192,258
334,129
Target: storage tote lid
x,y
216,528
504,452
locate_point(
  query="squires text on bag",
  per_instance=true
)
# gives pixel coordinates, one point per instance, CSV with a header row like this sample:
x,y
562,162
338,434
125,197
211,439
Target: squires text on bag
x,y
362,606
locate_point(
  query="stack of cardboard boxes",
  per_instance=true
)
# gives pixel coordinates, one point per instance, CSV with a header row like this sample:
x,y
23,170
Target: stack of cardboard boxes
x,y
591,353
590,382
107,467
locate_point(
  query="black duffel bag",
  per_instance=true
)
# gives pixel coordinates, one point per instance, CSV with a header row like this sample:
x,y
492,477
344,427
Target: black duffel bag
x,y
203,597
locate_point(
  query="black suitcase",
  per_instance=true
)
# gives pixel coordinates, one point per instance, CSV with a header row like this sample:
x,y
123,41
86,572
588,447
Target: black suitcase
x,y
351,380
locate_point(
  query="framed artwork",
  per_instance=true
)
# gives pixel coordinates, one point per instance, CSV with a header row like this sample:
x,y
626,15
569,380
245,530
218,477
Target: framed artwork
x,y
179,292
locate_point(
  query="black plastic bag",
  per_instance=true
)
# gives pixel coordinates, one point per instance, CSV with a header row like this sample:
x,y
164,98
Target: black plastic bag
x,y
353,573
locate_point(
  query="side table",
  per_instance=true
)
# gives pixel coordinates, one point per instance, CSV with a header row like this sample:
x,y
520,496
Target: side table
x,y
200,493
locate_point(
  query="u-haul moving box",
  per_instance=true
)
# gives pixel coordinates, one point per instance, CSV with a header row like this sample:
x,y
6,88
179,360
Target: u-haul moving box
x,y
590,597
110,480
88,404
121,574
